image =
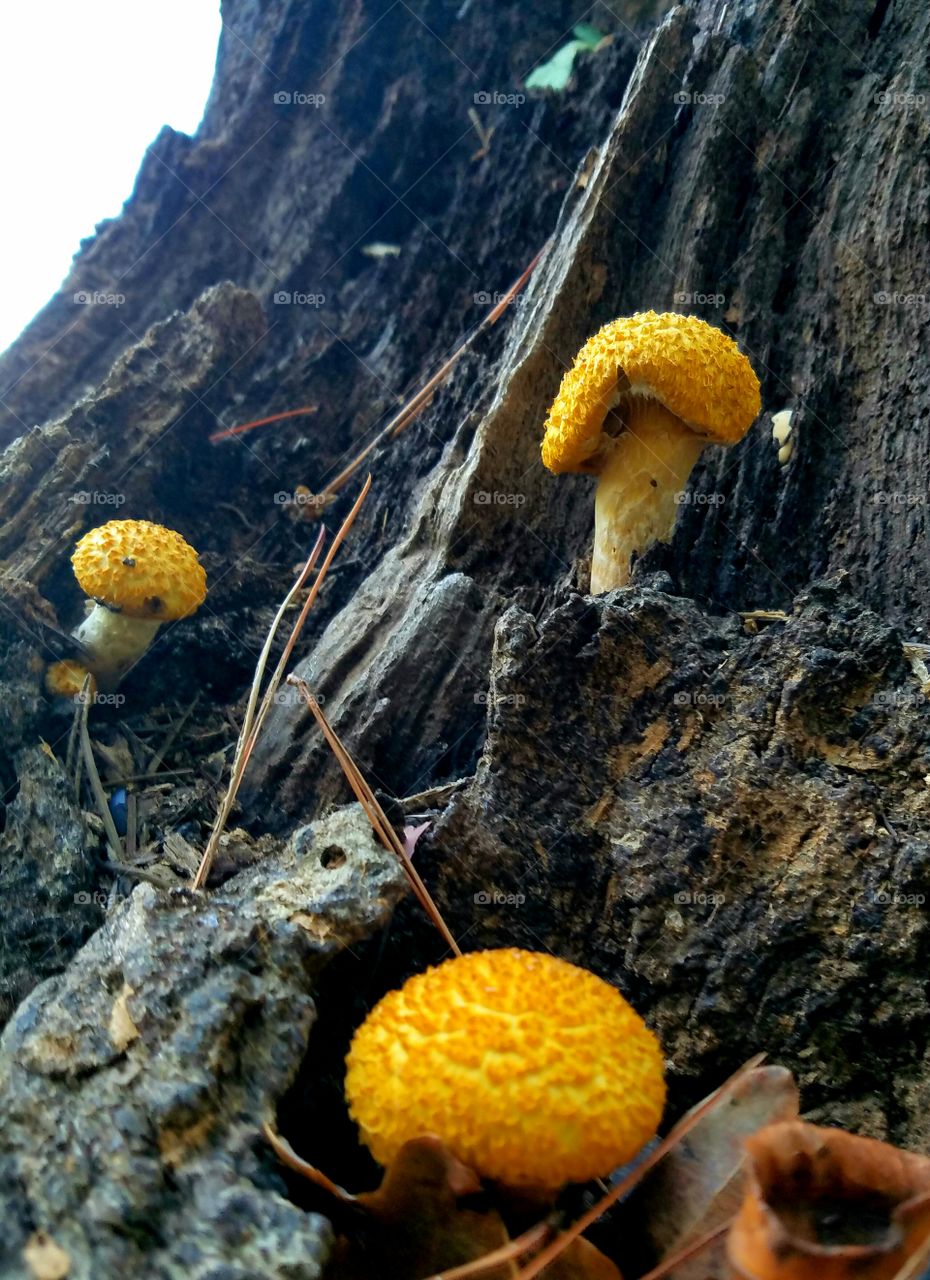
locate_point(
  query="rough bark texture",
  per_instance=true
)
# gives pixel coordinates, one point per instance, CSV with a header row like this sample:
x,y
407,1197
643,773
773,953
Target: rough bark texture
x,y
731,824
132,1088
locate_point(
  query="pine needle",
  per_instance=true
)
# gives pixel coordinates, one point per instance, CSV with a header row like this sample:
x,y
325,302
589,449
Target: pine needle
x,y
252,721
93,777
530,1240
376,816
412,408
261,422
670,1264
289,1157
635,1176
417,403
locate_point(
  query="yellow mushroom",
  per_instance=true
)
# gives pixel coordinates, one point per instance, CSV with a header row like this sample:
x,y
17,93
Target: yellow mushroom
x,y
534,1072
65,679
138,575
644,397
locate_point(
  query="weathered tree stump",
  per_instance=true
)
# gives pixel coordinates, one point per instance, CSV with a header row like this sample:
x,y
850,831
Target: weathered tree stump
x,y
726,818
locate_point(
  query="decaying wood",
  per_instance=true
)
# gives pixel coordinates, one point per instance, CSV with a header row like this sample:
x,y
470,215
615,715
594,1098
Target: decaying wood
x,y
733,827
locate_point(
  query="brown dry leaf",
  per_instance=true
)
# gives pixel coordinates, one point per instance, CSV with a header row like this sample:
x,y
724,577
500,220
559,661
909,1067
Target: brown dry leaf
x,y
44,1259
581,1261
701,1182
822,1204
415,1226
116,759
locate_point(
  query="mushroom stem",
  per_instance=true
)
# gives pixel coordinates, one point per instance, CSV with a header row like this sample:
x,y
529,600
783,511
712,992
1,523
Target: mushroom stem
x,y
113,641
638,486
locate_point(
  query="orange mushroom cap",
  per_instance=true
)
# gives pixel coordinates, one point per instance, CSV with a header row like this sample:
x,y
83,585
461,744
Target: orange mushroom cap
x,y
534,1072
141,569
695,370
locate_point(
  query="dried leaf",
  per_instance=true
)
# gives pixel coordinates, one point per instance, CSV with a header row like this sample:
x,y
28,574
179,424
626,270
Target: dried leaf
x,y
822,1204
701,1182
116,759
415,1226
581,1261
288,1156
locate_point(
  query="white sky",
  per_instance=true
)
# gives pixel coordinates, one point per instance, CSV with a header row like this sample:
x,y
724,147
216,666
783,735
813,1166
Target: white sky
x,y
85,86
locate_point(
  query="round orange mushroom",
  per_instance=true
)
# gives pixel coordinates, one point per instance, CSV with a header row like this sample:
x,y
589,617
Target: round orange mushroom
x,y
532,1071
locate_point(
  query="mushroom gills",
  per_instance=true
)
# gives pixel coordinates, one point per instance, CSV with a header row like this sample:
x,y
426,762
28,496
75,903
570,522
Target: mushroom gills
x,y
113,642
638,488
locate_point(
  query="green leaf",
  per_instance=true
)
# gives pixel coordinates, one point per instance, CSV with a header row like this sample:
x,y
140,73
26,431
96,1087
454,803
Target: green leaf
x,y
588,35
556,73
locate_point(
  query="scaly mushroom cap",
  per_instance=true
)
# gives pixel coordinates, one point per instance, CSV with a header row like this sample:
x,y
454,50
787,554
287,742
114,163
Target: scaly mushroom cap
x,y
532,1071
696,371
142,569
65,679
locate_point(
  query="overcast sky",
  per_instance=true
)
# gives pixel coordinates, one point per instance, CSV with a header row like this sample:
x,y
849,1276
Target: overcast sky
x,y
85,86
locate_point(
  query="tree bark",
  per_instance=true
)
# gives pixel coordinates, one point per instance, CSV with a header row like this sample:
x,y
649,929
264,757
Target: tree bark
x,y
726,817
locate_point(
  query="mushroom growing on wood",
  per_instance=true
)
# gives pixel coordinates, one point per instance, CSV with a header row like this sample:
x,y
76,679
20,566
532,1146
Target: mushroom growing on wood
x,y
65,679
138,575
532,1071
644,397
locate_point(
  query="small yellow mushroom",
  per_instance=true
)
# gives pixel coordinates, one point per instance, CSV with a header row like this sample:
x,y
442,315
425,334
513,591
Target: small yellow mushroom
x,y
138,575
65,679
643,399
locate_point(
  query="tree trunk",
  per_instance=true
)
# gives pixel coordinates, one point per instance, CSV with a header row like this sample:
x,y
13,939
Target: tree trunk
x,y
726,817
